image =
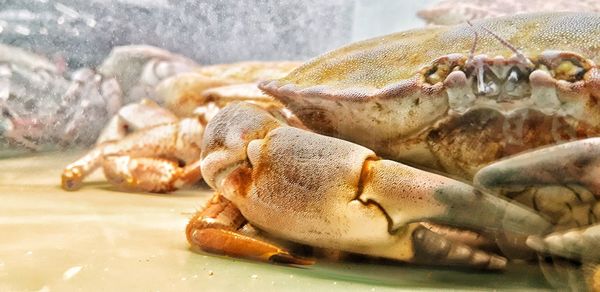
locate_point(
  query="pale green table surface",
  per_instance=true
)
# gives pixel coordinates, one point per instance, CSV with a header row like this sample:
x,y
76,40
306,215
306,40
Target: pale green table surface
x,y
101,239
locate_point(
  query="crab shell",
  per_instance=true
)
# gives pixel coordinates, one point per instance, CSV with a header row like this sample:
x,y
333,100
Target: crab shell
x,y
185,92
390,95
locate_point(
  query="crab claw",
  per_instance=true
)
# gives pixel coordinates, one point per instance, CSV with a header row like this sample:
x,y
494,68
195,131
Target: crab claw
x,y
330,193
410,195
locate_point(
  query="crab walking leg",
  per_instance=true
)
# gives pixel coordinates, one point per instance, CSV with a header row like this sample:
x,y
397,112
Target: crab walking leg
x,y
175,140
468,237
131,117
150,174
576,162
330,193
134,117
579,244
74,173
566,179
215,229
436,249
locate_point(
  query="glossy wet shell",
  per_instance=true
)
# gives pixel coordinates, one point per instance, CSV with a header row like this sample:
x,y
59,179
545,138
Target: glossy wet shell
x,y
373,92
382,62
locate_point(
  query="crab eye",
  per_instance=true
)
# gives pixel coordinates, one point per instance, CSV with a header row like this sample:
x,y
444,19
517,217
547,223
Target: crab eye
x,y
437,73
565,66
569,70
442,67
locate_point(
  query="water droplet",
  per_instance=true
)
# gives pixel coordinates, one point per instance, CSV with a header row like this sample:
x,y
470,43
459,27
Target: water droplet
x,y
22,30
71,272
210,273
90,22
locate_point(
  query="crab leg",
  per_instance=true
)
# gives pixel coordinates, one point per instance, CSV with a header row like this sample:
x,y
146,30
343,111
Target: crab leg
x,y
130,118
134,117
561,180
150,174
176,141
331,193
580,244
215,229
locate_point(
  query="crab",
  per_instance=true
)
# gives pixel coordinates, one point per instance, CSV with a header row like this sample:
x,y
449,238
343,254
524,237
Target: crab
x,y
128,75
30,86
150,148
416,145
41,107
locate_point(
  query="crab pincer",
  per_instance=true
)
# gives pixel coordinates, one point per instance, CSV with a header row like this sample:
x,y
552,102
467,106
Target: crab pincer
x,y
325,192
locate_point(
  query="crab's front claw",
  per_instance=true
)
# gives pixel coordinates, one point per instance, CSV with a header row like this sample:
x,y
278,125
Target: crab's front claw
x,y
411,195
330,193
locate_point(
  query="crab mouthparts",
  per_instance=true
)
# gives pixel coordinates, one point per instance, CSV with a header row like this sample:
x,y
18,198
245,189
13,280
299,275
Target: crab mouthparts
x,y
506,87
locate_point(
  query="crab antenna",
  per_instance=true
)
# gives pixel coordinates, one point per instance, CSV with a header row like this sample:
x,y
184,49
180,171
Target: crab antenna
x,y
472,53
509,46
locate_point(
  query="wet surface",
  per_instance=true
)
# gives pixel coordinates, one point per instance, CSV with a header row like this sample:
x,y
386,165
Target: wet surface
x,y
101,239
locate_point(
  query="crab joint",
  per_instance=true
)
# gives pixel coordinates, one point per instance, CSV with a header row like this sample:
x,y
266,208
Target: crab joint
x,y
216,229
408,194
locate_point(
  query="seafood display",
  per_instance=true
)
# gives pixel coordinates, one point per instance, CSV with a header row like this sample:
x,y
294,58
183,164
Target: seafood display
x,y
470,145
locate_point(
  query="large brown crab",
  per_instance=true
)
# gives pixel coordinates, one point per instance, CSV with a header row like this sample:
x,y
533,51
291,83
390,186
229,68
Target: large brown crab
x,y
448,101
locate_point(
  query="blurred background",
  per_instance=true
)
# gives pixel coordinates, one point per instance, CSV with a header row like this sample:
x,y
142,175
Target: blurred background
x,y
83,32
56,64
53,87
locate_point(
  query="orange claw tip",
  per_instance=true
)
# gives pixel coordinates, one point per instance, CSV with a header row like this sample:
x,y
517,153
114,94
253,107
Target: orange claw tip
x,y
286,258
